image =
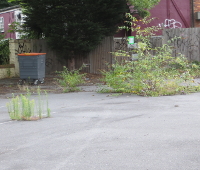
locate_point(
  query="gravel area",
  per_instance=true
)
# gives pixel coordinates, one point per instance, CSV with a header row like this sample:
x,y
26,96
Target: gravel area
x,y
11,85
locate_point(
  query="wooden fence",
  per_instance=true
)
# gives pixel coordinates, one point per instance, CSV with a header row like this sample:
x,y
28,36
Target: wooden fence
x,y
97,59
187,43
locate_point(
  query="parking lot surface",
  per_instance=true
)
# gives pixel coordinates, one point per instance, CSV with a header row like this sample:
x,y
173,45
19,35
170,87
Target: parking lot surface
x,y
89,131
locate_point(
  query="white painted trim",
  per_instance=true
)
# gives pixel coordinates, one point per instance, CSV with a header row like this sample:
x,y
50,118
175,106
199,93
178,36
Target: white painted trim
x,y
12,10
2,21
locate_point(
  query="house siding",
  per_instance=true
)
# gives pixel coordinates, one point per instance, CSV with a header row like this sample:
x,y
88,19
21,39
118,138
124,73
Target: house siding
x,y
8,15
8,19
179,10
171,14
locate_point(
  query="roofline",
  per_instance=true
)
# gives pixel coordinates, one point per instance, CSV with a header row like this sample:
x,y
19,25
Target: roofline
x,y
9,8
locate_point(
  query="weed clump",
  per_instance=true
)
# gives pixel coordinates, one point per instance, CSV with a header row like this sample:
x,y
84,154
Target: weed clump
x,y
154,73
21,107
69,80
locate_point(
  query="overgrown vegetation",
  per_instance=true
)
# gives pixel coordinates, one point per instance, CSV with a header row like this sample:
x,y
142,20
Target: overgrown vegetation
x,y
69,80
4,51
154,73
141,7
21,107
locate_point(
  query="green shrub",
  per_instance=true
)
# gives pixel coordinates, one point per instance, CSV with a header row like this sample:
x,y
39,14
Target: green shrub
x,y
4,51
152,75
69,80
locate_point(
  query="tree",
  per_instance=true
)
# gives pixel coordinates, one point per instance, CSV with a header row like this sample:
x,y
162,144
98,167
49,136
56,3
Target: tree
x,y
75,26
5,3
142,6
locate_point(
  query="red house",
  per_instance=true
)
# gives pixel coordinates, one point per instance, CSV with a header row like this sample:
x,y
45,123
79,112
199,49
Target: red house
x,y
173,14
7,17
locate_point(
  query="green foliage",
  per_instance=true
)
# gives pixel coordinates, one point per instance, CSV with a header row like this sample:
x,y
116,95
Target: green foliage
x,y
7,3
152,75
70,79
131,24
4,51
195,68
8,71
21,107
76,26
47,105
142,6
25,33
2,36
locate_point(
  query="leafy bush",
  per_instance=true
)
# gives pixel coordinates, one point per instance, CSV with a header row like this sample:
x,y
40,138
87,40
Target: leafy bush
x,y
69,80
4,51
152,75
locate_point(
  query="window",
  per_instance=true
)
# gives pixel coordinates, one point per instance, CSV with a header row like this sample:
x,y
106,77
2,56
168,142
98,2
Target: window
x,y
19,18
1,24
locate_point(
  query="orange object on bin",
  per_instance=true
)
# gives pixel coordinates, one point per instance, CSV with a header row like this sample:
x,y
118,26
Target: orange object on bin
x,y
31,54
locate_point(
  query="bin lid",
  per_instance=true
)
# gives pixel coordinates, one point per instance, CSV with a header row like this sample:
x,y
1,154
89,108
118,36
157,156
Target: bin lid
x,y
31,54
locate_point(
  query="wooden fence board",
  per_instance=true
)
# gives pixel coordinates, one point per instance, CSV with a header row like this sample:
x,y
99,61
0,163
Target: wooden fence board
x,y
186,43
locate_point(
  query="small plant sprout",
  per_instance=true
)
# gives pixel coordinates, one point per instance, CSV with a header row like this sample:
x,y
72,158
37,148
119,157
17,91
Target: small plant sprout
x,y
47,102
39,103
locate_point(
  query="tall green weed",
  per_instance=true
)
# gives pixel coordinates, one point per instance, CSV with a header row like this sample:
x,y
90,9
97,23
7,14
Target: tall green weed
x,y
21,107
69,80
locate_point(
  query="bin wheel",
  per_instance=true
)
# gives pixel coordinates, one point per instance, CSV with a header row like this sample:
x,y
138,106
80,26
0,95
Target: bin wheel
x,y
35,82
29,82
21,82
42,81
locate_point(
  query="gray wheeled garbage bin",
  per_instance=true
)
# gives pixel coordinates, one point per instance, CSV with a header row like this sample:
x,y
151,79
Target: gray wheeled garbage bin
x,y
32,67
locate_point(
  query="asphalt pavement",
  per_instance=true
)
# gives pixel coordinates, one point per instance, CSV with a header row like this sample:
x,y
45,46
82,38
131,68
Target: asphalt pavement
x,y
91,131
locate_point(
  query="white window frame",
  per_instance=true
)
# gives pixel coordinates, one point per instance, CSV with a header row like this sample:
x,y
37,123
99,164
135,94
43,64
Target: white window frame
x,y
1,24
20,21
